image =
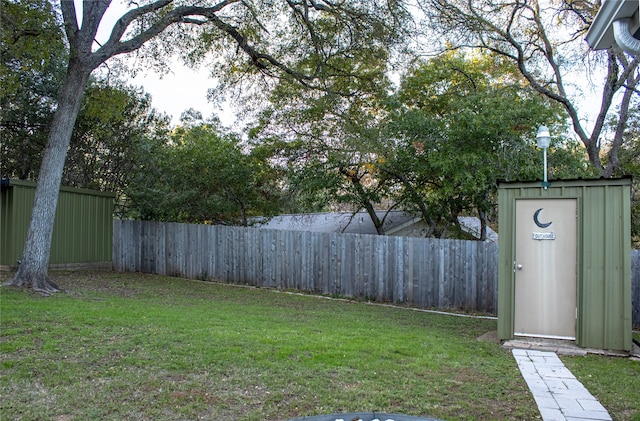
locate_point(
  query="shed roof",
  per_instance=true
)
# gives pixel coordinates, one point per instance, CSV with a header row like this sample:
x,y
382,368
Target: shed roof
x,y
360,223
627,179
343,222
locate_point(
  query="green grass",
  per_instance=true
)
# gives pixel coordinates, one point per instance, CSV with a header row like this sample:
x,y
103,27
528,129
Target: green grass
x,y
142,347
614,381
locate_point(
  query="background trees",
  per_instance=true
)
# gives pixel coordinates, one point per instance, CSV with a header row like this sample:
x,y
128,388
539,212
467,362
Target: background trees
x,y
203,175
545,40
116,128
435,145
32,65
325,139
461,126
113,136
459,123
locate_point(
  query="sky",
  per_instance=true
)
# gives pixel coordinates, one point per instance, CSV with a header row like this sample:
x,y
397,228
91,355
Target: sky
x,y
182,88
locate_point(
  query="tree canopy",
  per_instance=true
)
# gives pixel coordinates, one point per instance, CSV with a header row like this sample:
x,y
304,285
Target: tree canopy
x,y
202,174
545,40
461,122
33,59
114,119
305,41
435,145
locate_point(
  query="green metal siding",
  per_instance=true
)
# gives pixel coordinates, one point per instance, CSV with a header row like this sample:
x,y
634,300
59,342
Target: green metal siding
x,y
506,253
82,231
604,258
16,211
606,279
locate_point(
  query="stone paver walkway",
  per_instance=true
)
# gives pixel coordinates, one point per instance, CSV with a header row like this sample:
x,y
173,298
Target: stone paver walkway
x,y
559,395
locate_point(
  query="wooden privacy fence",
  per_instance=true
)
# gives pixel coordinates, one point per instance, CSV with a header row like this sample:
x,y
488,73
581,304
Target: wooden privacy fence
x,y
421,272
635,288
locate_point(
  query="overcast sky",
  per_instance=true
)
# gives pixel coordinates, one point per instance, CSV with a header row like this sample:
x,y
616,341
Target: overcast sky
x,y
172,93
180,90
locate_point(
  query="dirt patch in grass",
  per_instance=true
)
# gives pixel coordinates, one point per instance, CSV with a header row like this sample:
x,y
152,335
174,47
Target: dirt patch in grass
x,y
491,336
107,282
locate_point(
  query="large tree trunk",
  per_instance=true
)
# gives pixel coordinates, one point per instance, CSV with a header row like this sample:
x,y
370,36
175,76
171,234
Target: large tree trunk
x,y
32,271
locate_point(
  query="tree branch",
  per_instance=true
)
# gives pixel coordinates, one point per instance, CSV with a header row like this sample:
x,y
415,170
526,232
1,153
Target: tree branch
x,y
70,20
114,46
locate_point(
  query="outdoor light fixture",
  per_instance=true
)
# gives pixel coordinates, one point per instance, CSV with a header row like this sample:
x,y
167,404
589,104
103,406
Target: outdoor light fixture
x,y
544,139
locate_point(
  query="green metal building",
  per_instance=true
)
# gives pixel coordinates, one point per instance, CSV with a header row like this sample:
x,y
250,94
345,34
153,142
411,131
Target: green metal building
x,y
564,268
82,232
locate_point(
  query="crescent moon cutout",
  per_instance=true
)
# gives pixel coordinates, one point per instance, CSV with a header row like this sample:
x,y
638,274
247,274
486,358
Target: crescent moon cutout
x,y
537,221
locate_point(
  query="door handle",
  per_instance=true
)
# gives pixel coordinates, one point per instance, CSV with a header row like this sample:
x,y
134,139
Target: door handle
x,y
519,266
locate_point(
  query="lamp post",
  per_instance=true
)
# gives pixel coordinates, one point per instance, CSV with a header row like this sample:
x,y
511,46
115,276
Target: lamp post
x,y
544,139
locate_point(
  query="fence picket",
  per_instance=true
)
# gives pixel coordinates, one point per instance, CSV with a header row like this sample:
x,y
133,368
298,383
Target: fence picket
x,y
635,287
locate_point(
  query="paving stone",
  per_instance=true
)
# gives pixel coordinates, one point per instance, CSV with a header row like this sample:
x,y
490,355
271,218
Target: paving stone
x,y
537,359
555,372
569,404
550,414
574,384
555,385
526,363
571,394
530,373
541,391
577,419
591,405
587,415
546,402
533,352
536,383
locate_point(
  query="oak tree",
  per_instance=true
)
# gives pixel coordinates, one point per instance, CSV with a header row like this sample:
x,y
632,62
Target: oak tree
x,y
295,39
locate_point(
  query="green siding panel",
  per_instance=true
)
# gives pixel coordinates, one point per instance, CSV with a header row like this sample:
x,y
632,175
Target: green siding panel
x,y
604,257
82,231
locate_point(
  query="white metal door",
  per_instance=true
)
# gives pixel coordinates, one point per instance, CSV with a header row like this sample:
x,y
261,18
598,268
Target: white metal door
x,y
545,268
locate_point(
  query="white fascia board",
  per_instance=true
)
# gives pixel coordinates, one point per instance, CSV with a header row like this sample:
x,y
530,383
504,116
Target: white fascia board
x,y
403,226
600,34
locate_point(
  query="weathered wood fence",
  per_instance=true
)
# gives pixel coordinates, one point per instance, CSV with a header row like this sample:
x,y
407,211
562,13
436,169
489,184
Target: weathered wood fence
x,y
422,272
635,288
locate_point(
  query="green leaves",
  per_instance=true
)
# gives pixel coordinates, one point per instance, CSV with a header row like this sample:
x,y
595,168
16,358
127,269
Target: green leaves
x,y
458,123
31,44
115,132
32,62
205,175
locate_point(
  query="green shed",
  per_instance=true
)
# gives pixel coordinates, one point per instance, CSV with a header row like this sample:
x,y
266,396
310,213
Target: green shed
x,y
82,231
564,261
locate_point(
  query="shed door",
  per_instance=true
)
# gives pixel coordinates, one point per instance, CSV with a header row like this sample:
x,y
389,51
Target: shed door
x,y
545,268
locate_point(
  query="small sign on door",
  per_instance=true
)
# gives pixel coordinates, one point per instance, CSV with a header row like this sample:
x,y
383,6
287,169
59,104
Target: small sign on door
x,y
544,235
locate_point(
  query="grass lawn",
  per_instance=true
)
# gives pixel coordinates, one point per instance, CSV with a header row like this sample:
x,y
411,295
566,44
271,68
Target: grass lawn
x,y
143,347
